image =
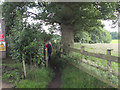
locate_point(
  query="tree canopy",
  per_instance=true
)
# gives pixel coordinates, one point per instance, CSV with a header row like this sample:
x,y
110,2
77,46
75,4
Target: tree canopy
x,y
77,17
74,18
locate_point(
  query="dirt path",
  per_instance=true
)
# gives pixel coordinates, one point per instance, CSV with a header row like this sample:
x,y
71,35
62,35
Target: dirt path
x,y
56,81
6,85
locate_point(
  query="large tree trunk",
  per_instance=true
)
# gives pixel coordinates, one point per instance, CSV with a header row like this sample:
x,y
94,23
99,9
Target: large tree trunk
x,y
67,35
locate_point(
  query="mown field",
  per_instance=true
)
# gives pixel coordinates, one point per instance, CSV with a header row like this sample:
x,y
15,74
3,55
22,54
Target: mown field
x,y
102,49
115,41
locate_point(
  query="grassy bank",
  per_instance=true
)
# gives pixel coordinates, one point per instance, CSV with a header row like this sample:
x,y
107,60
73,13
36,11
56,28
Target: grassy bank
x,y
74,78
102,49
12,71
36,77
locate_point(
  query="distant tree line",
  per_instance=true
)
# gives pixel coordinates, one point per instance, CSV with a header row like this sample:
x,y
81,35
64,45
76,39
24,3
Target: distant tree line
x,y
115,35
98,36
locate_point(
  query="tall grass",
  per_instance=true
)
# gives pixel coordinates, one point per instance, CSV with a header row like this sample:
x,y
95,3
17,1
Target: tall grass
x,y
12,71
74,78
37,78
97,49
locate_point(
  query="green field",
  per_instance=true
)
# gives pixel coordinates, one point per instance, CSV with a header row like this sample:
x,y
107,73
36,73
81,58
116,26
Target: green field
x,y
115,41
100,48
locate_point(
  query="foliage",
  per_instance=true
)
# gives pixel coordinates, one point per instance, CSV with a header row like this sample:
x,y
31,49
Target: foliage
x,y
82,16
99,35
9,12
82,37
27,41
115,35
74,13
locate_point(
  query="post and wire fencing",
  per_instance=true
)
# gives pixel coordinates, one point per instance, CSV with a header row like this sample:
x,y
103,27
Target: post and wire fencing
x,y
85,58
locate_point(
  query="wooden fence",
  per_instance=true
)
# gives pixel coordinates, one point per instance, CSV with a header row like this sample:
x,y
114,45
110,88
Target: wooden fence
x,y
107,57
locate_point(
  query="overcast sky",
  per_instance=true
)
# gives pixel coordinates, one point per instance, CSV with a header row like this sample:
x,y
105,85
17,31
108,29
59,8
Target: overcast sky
x,y
107,23
108,26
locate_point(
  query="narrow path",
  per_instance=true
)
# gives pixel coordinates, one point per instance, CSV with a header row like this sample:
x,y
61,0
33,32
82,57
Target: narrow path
x,y
56,81
6,85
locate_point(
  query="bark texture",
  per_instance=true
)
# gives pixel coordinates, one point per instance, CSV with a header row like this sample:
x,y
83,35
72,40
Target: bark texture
x,y
67,35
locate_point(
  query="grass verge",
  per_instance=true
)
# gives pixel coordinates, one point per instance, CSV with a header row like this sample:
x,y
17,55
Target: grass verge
x,y
12,72
37,78
74,78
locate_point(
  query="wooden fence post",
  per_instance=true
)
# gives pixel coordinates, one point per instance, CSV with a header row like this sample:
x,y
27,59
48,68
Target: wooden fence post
x,y
24,69
109,63
82,50
46,57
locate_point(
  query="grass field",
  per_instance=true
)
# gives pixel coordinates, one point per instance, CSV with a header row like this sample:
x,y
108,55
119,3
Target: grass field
x,y
102,49
115,41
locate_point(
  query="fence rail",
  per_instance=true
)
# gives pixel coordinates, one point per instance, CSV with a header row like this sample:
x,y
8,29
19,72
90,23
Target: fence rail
x,y
107,57
101,56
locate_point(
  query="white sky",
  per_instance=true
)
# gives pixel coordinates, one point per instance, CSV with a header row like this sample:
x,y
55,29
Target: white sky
x,y
108,26
107,23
